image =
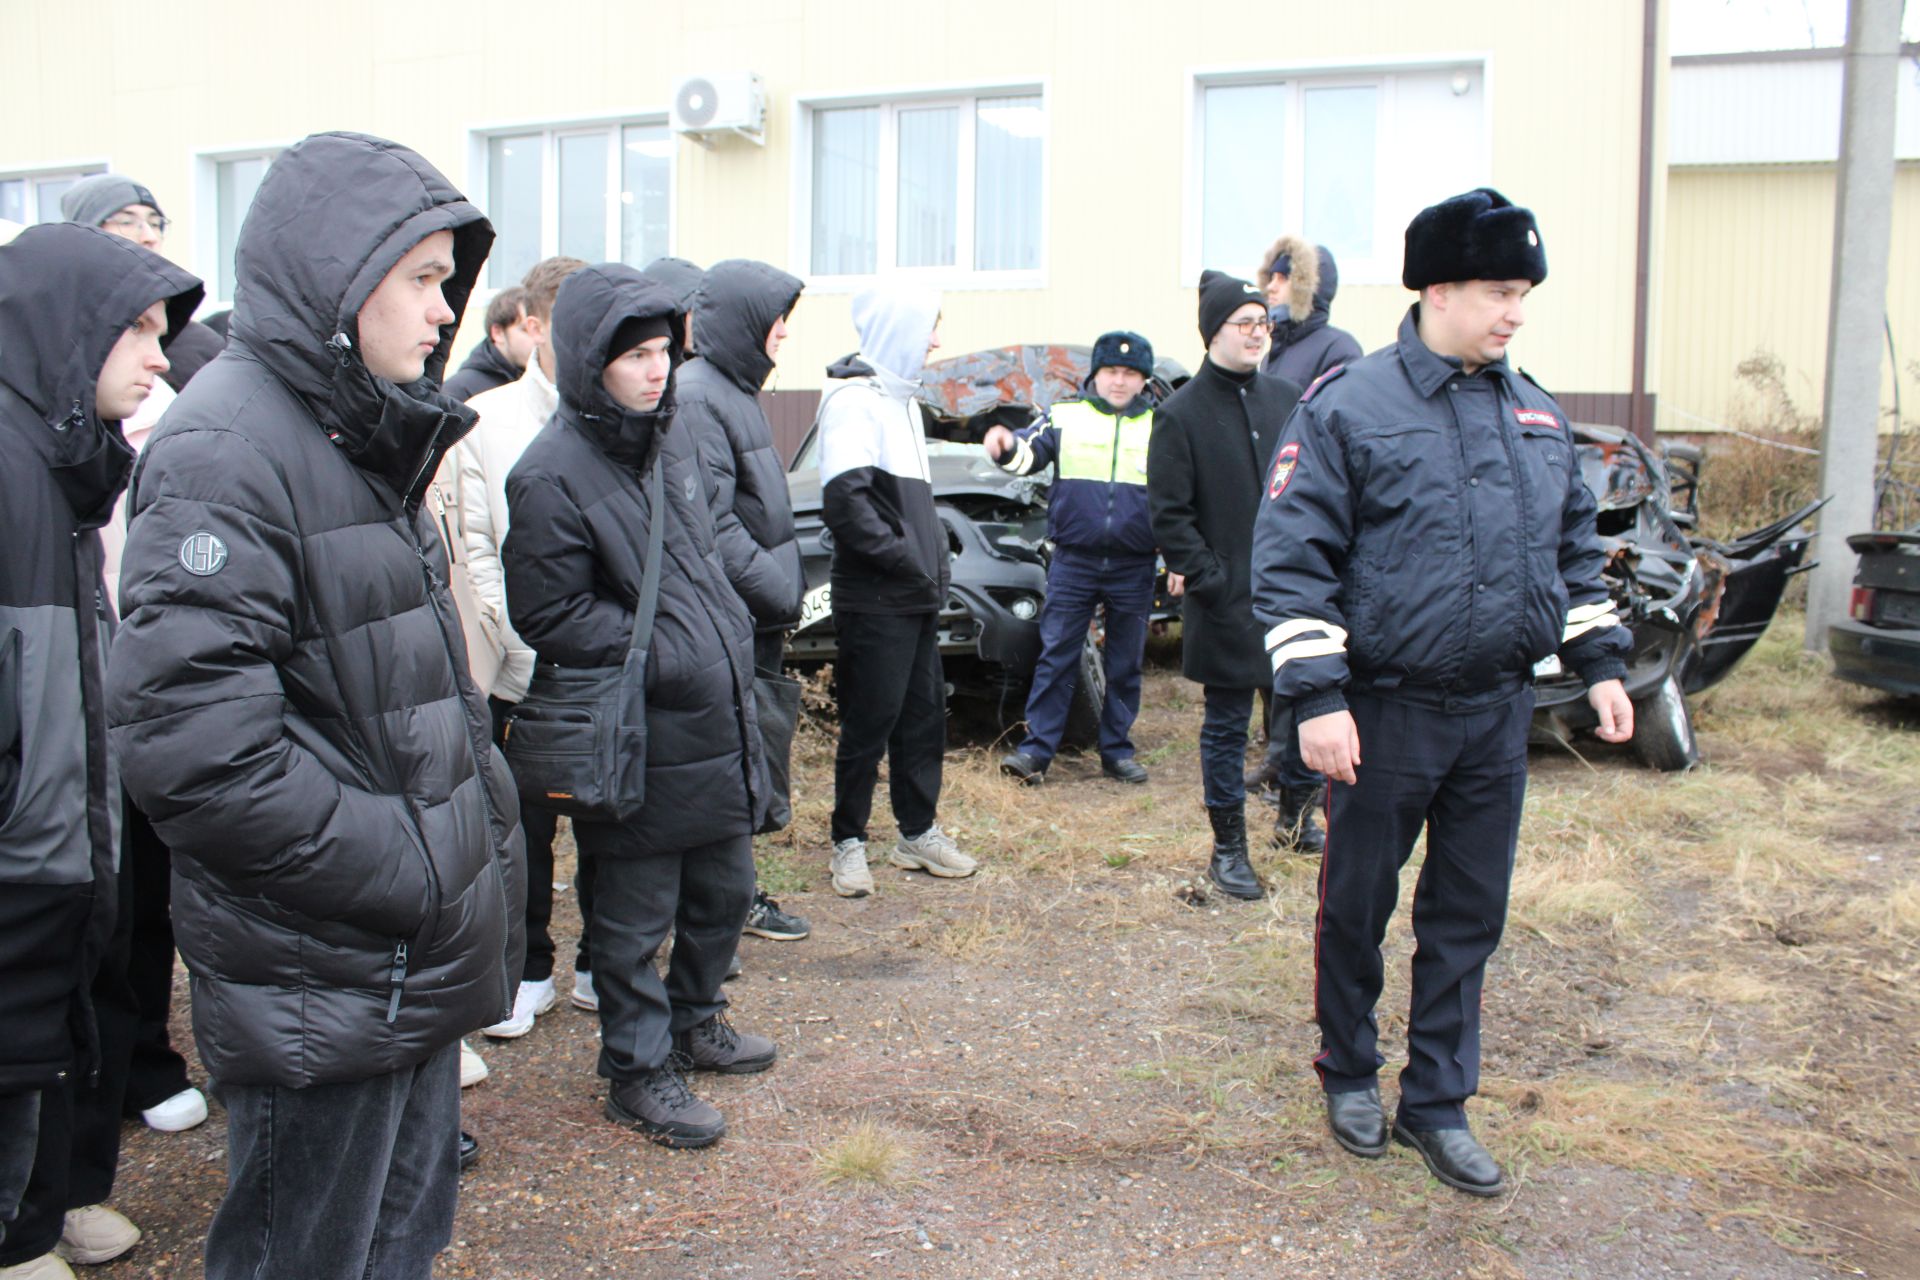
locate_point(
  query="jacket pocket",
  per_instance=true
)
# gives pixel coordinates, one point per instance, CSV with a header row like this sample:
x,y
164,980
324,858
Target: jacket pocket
x,y
13,752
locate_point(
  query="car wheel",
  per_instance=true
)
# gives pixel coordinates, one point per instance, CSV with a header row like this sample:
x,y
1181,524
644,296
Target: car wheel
x,y
1089,697
1663,729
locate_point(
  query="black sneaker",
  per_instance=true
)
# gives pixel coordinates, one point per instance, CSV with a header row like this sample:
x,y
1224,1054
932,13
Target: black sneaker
x,y
660,1105
469,1150
765,919
715,1046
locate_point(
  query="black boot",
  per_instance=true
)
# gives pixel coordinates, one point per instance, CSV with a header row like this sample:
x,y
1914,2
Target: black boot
x,y
1296,825
1230,869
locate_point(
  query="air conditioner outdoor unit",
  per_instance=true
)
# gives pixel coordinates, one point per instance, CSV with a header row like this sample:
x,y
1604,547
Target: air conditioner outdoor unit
x,y
716,105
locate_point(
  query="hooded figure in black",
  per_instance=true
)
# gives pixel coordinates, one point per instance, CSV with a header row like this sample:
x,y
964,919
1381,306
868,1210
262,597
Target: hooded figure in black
x,y
293,709
1301,279
67,296
574,560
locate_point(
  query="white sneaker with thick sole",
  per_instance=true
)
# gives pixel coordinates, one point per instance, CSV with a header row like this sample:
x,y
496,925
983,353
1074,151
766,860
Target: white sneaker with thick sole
x,y
95,1234
473,1068
183,1110
934,852
48,1266
848,863
529,1002
584,996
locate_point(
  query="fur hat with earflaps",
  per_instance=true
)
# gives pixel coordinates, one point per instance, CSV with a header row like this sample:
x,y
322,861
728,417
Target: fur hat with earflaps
x,y
1481,235
1299,262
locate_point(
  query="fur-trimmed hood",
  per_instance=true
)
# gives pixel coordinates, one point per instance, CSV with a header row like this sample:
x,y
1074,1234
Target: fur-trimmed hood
x,y
1303,281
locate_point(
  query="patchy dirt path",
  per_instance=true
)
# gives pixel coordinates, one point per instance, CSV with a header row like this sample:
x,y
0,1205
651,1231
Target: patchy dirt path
x,y
1057,1069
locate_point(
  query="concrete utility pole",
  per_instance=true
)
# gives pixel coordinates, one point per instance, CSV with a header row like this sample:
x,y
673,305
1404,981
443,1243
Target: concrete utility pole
x,y
1862,235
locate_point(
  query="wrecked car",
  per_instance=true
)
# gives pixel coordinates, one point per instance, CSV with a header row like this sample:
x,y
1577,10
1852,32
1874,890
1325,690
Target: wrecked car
x,y
1878,643
1695,605
996,526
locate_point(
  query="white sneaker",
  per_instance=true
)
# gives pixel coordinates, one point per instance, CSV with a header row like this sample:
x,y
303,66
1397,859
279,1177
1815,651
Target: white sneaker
x,y
48,1266
95,1234
848,863
529,1002
584,996
473,1068
934,852
183,1110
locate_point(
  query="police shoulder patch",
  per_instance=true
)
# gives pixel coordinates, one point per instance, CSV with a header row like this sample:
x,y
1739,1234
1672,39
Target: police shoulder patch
x,y
1322,381
1285,462
202,554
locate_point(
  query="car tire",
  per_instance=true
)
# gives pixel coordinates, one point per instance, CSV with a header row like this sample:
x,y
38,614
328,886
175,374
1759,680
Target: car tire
x,y
1089,698
1663,729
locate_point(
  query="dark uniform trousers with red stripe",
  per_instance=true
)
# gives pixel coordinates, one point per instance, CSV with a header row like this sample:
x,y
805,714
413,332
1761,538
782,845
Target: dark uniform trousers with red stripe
x,y
1460,774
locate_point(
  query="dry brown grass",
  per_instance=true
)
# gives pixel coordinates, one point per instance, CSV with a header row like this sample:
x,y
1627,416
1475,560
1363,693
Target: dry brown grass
x,y
867,1154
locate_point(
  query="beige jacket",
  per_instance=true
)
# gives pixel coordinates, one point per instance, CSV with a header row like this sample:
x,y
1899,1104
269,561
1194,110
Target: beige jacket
x,y
510,417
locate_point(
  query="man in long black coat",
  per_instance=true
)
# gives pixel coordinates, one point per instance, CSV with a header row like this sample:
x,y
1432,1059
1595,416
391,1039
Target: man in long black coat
x,y
1207,461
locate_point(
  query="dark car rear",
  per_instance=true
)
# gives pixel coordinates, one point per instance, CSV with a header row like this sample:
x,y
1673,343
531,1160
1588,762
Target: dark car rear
x,y
1878,644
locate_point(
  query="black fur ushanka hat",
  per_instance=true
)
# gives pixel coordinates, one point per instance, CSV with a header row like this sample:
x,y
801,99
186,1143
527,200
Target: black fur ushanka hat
x,y
1481,235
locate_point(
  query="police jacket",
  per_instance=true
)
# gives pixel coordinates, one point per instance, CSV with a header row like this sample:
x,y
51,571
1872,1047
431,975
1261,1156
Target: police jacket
x,y
289,692
1099,498
1207,462
1426,535
575,557
720,412
67,293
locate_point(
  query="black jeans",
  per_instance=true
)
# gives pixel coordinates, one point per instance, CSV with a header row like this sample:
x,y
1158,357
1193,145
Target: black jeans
x,y
19,1137
701,896
893,705
539,825
1461,775
1223,745
158,1071
352,1181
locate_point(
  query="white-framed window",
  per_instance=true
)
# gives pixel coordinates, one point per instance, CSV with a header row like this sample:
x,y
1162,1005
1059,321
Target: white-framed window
x,y
224,182
600,190
948,186
28,196
1342,156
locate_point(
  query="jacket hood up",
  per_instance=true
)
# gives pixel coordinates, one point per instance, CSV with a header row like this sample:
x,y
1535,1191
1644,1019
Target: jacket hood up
x,y
592,305
333,215
895,322
734,311
67,293
1312,280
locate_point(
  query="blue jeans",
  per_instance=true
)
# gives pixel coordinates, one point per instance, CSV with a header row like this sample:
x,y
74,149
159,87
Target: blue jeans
x,y
1223,745
1077,584
351,1181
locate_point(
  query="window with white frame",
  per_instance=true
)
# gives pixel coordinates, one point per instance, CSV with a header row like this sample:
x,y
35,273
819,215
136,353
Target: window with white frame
x,y
226,182
949,186
28,198
599,191
1344,159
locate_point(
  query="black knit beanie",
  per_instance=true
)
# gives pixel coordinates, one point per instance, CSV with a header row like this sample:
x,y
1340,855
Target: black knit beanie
x,y
1220,296
635,330
1481,235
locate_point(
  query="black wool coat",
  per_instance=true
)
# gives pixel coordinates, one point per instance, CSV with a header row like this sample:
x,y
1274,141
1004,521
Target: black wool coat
x,y
1206,468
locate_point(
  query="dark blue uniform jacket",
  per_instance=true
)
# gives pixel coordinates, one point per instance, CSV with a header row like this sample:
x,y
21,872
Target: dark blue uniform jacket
x,y
1426,535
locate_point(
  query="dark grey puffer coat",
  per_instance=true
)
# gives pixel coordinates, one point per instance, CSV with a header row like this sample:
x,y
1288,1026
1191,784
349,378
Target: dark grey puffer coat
x,y
574,557
720,410
289,691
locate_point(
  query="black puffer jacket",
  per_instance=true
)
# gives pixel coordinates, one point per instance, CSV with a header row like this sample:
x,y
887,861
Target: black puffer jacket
x,y
485,368
67,293
289,691
720,409
578,517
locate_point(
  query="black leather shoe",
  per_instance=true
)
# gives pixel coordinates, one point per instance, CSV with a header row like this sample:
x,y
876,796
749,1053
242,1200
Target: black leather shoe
x,y
1455,1157
1128,770
1024,767
1230,869
469,1150
1358,1121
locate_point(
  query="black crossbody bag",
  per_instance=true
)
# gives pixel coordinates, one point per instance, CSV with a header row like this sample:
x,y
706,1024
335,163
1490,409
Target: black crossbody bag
x,y
577,743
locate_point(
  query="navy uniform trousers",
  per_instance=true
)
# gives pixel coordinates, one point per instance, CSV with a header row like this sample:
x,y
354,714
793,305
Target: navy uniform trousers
x,y
1461,775
1078,582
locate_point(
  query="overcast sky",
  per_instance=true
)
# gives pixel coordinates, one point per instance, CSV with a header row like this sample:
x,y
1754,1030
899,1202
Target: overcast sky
x,y
1732,26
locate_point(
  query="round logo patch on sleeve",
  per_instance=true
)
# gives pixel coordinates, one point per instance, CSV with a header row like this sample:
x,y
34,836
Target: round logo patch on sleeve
x,y
1283,464
202,554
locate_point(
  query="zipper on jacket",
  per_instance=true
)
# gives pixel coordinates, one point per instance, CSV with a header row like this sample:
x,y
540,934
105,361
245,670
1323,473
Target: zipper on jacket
x,y
396,979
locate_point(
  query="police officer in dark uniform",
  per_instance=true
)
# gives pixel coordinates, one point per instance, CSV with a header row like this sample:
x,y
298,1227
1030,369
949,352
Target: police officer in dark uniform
x,y
1425,540
1103,551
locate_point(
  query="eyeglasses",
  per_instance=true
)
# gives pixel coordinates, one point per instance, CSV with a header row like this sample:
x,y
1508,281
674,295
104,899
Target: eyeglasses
x,y
1248,328
129,221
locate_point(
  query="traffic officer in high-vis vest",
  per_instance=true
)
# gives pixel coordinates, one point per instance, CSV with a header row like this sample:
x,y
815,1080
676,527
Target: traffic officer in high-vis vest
x,y
1103,551
1425,539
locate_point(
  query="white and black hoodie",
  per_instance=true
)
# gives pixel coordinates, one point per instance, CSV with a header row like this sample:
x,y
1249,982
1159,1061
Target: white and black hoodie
x,y
889,549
